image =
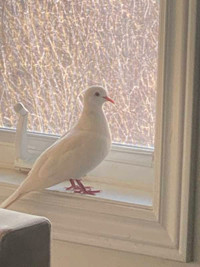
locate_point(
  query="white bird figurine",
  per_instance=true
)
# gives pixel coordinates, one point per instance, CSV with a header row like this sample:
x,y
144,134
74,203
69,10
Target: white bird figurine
x,y
75,154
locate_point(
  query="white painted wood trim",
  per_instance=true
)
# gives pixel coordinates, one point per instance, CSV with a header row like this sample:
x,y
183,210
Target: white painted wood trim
x,y
98,222
177,113
162,231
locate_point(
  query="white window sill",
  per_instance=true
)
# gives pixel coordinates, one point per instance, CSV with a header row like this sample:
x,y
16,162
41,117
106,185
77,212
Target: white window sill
x,y
113,219
105,220
120,194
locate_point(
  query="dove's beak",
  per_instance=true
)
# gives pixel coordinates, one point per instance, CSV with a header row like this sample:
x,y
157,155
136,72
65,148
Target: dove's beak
x,y
108,99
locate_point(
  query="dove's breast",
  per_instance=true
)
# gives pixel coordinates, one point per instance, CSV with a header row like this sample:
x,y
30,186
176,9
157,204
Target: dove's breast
x,y
90,154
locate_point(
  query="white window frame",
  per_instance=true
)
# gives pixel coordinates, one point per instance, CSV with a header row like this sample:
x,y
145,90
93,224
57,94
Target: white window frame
x,y
164,229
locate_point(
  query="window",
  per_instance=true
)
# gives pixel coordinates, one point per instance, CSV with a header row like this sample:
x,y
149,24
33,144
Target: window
x,y
51,51
163,228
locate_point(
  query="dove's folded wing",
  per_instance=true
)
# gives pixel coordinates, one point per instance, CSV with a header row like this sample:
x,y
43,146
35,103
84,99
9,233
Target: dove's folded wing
x,y
59,156
54,165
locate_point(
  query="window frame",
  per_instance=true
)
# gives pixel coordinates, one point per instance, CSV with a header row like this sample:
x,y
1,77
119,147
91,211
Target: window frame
x,y
163,230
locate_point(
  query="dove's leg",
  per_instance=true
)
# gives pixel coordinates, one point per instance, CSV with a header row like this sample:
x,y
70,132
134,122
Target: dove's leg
x,y
73,185
85,189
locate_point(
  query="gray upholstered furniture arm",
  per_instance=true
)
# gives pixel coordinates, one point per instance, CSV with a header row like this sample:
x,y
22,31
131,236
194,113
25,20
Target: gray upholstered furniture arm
x,y
24,240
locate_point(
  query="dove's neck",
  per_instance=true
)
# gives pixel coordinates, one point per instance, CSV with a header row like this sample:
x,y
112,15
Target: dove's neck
x,y
93,119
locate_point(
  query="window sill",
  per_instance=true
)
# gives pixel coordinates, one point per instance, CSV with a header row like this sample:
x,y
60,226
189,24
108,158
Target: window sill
x,y
100,220
106,220
109,193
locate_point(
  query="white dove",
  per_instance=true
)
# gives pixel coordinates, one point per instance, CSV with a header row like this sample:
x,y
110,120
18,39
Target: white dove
x,y
75,154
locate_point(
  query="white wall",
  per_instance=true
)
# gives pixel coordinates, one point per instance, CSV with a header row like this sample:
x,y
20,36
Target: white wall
x,y
66,254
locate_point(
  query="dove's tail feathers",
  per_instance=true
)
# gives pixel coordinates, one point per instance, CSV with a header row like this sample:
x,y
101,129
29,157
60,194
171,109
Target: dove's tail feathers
x,y
6,203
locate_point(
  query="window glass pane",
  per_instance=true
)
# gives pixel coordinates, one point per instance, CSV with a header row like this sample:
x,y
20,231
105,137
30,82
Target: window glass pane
x,y
51,50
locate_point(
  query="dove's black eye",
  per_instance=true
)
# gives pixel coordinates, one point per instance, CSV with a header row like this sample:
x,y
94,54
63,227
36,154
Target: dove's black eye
x,y
97,94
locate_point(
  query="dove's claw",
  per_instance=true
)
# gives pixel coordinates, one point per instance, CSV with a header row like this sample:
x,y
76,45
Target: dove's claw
x,y
92,192
85,189
87,192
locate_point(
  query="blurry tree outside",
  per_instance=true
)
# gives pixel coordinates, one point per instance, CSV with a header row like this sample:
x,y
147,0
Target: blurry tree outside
x,y
51,50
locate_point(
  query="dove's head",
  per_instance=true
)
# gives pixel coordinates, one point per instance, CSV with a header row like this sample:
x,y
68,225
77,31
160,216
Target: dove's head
x,y
96,96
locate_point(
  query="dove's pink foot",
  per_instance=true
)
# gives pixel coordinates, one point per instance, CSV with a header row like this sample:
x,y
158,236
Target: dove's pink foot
x,y
80,188
75,187
85,189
